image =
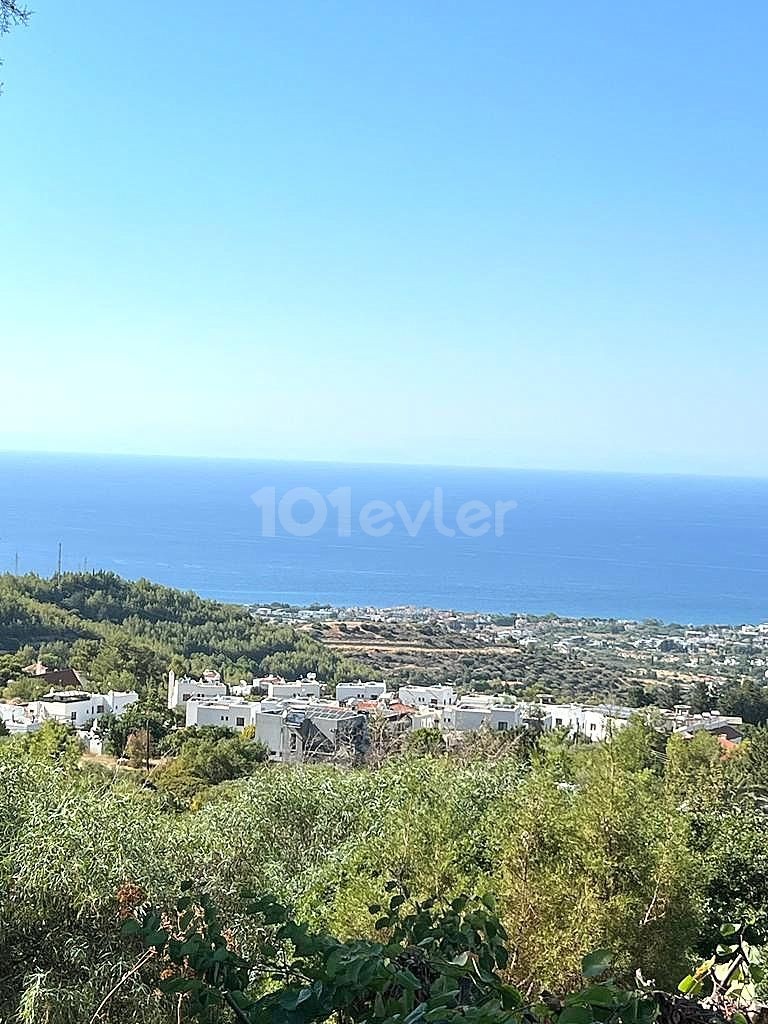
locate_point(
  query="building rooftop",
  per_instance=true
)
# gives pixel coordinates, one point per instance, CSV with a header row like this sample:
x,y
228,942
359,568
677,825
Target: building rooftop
x,y
67,696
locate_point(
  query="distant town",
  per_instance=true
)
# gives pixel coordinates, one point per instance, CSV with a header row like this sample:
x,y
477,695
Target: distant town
x,y
647,661
113,659
297,720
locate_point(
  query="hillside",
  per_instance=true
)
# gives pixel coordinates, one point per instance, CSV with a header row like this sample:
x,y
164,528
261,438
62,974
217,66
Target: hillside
x,y
125,634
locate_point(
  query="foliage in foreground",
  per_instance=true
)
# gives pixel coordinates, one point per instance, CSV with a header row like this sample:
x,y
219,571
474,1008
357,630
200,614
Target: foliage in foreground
x,y
434,961
640,846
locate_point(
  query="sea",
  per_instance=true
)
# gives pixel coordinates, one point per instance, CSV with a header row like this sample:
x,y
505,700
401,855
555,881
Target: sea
x,y
682,549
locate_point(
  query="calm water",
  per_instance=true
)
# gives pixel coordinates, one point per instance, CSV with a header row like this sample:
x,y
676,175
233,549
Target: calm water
x,y
685,549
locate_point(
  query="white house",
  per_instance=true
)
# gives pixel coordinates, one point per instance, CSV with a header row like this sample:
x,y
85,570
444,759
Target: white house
x,y
308,687
322,731
426,718
226,712
427,696
18,718
78,708
592,723
360,691
470,715
183,689
269,720
298,730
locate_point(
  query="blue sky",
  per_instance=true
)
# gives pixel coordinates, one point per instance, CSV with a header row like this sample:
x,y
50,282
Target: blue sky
x,y
481,233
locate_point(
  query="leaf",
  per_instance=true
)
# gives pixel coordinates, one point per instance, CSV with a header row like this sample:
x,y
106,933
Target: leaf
x,y
490,902
291,999
575,1015
511,998
596,963
240,999
157,938
595,995
690,986
174,985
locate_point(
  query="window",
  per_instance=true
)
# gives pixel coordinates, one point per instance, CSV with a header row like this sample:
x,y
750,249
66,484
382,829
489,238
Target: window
x,y
99,709
186,696
73,716
240,721
558,721
592,726
502,726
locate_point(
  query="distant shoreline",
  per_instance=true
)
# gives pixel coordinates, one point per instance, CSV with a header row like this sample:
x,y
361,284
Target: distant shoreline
x,y
354,464
419,612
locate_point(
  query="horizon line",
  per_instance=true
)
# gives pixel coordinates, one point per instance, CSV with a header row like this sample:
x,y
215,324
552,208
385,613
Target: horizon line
x,y
394,464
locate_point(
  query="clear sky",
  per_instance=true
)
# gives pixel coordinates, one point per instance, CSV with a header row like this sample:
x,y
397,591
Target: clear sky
x,y
483,232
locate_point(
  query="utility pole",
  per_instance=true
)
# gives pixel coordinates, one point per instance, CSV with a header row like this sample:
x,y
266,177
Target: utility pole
x,y
16,564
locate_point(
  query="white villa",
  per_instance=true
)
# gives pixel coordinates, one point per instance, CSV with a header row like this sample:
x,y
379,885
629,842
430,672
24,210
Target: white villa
x,y
70,707
428,696
291,729
308,687
472,713
360,691
182,688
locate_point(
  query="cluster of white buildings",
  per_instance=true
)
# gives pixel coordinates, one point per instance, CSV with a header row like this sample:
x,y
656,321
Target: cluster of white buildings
x,y
295,722
291,719
76,708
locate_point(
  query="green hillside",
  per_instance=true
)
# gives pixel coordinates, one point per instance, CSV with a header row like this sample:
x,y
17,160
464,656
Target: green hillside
x,y
125,634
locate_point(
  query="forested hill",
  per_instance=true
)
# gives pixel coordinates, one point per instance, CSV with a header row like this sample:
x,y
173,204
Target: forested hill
x,y
124,634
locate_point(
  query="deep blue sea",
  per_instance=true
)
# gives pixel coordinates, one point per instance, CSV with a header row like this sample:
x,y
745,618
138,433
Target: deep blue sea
x,y
683,549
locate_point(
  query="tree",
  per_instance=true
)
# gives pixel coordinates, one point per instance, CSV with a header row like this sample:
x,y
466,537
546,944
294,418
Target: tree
x,y
637,696
701,697
145,714
55,741
425,741
205,756
139,748
173,744
12,14
756,748
748,699
673,694
25,688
